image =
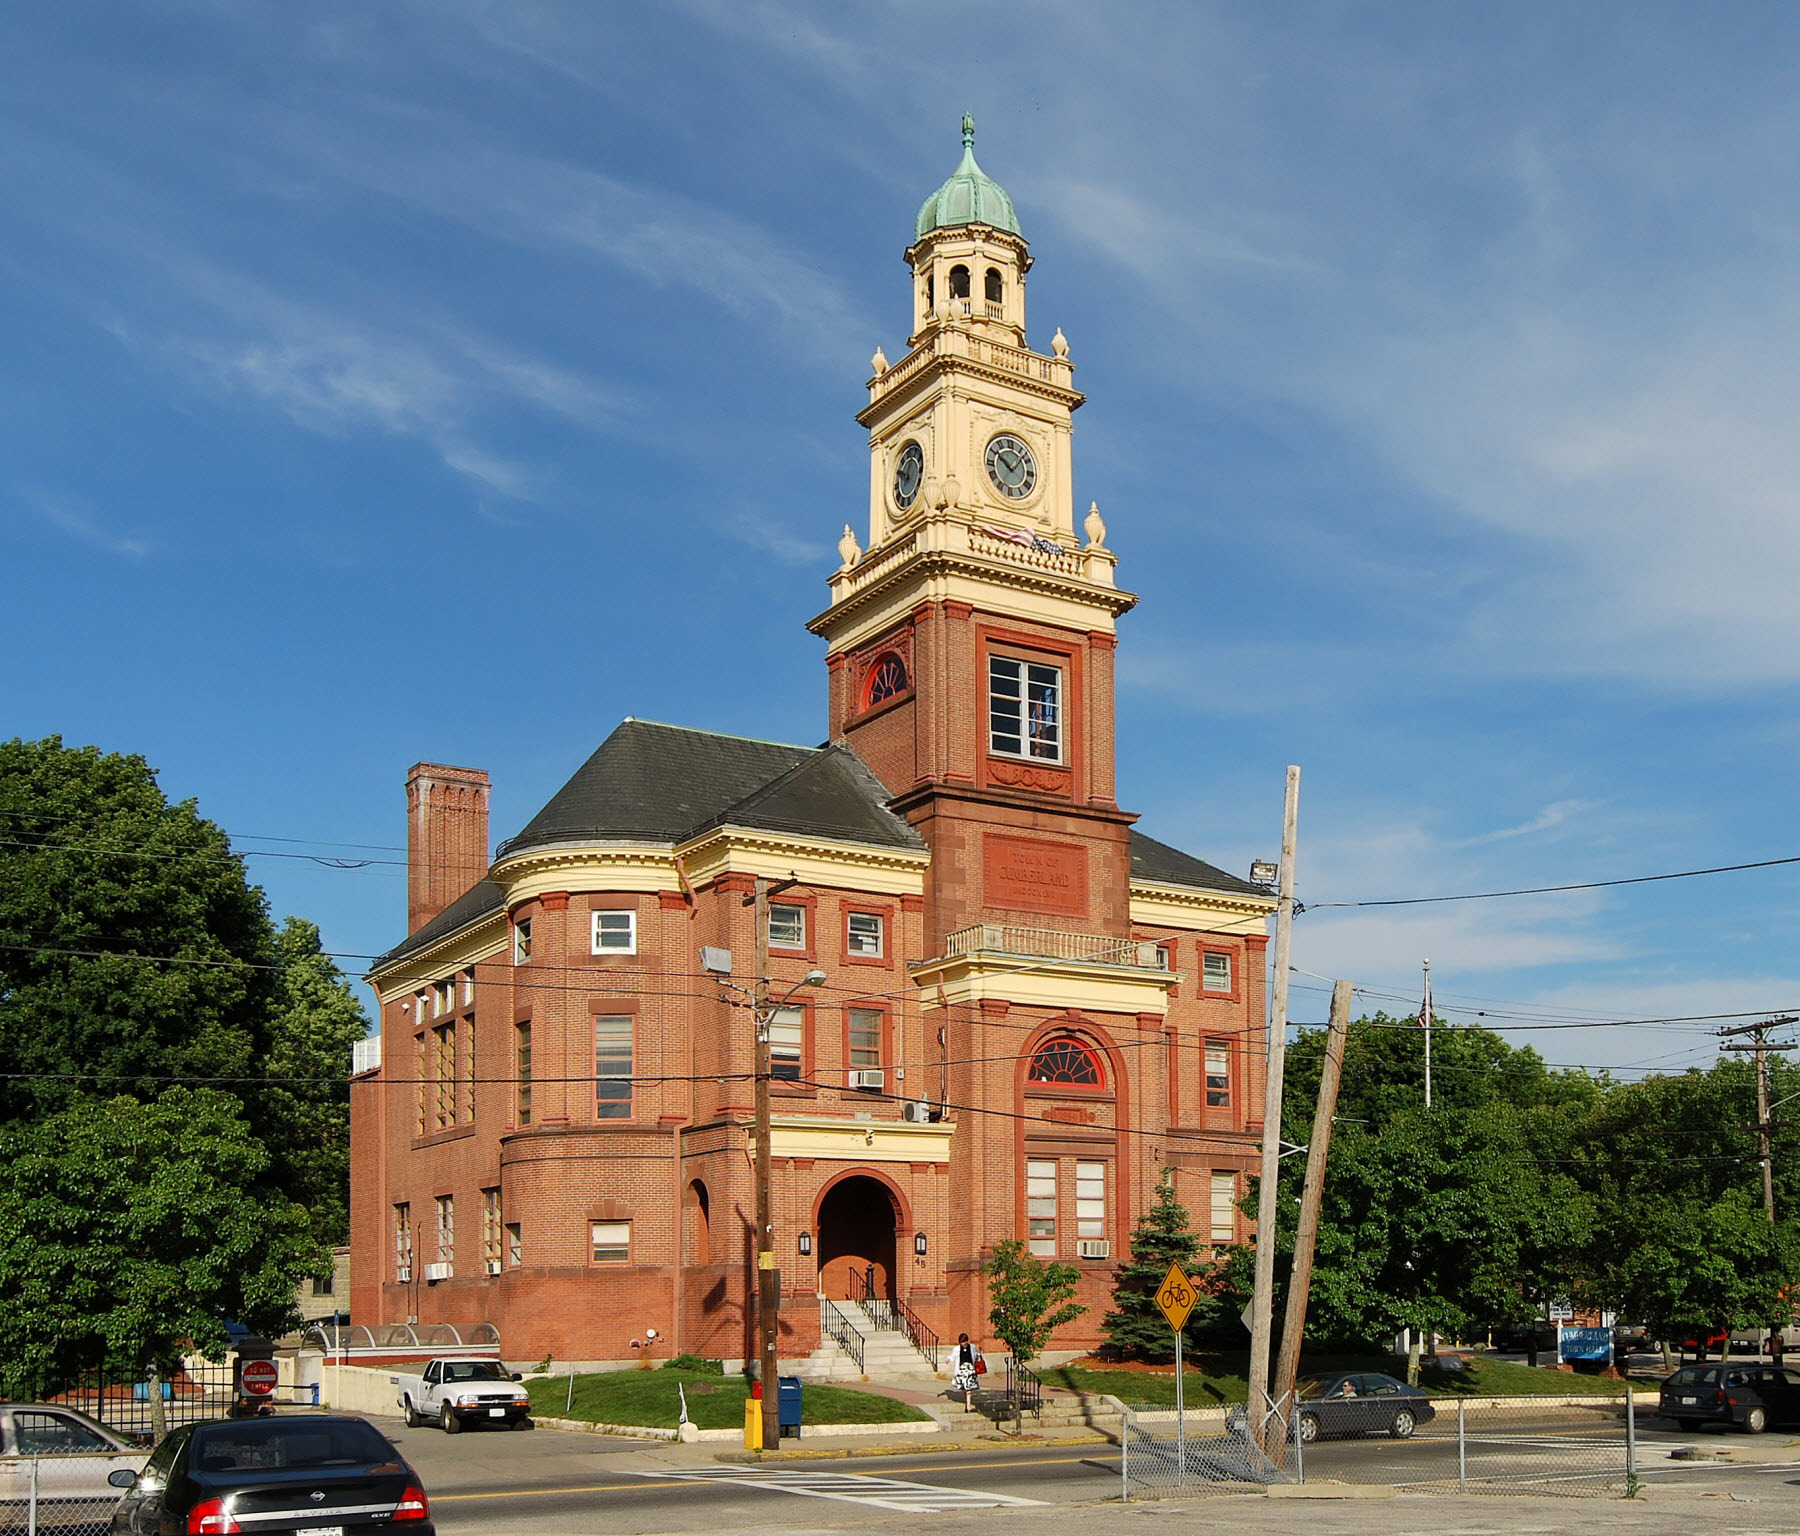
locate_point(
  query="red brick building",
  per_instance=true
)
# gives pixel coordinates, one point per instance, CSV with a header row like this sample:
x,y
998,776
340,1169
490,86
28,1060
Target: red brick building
x,y
1030,1008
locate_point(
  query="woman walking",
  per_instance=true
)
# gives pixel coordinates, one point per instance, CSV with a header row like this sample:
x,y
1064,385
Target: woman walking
x,y
969,1366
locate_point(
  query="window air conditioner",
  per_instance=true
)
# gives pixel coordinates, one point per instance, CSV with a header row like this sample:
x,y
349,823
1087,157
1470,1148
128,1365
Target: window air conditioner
x,y
868,1077
403,1275
493,1266
1094,1248
436,1272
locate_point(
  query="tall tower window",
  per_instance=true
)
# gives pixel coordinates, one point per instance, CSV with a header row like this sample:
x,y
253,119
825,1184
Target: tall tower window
x,y
996,288
959,282
612,1068
1024,709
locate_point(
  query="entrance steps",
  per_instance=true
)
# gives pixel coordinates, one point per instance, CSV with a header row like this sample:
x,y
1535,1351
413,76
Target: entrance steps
x,y
887,1354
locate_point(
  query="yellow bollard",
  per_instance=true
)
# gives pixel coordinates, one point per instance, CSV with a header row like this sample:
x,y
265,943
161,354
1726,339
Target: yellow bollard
x,y
753,1411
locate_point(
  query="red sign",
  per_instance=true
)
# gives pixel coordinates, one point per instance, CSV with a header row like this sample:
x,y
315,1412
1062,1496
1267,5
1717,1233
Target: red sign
x,y
259,1378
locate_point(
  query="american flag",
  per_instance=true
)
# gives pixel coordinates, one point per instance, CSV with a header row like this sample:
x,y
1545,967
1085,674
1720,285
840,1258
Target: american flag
x,y
1035,541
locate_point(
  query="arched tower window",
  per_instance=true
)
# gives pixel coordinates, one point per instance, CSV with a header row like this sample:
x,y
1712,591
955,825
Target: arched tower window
x,y
996,289
959,282
1065,1060
930,293
886,678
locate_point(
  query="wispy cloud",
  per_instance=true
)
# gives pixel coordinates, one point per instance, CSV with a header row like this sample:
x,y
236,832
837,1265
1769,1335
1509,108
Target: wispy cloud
x,y
78,523
1552,815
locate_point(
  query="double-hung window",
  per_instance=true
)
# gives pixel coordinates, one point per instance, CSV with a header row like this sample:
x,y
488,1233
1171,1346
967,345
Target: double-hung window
x,y
446,1230
522,1055
611,1241
787,1041
403,1242
1090,1200
1024,709
490,1231
522,941
787,925
1215,972
1224,1207
615,933
865,1039
864,936
444,1077
1040,1208
1218,1074
612,1068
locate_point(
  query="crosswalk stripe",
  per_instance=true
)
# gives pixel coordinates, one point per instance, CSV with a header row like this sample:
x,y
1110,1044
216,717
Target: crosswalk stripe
x,y
851,1488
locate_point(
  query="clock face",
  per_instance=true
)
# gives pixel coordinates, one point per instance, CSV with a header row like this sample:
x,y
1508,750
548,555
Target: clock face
x,y
909,472
1011,467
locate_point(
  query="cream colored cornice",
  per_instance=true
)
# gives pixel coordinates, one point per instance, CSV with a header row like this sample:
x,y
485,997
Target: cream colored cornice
x,y
836,1139
1176,906
474,942
589,866
1028,982
854,866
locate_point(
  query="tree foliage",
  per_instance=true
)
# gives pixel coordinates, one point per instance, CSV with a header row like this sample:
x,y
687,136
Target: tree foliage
x,y
1031,1299
130,1229
136,963
1136,1327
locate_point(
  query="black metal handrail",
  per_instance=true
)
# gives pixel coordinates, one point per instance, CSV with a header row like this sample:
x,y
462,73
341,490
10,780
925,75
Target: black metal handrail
x,y
893,1313
924,1339
837,1328
1024,1389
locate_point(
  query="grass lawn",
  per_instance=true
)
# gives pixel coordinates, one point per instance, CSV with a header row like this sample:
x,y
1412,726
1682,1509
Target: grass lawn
x,y
1215,1379
649,1398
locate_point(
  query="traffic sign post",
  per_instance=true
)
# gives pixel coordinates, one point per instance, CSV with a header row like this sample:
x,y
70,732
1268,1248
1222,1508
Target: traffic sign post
x,y
258,1378
1176,1296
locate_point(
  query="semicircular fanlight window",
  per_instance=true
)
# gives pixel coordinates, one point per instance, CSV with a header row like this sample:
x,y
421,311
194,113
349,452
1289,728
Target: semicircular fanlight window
x,y
1066,1060
888,679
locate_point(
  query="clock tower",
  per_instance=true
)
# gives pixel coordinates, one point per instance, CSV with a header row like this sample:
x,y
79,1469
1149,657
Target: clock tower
x,y
971,641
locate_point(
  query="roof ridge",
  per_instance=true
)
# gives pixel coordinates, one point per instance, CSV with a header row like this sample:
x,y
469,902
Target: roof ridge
x,y
696,730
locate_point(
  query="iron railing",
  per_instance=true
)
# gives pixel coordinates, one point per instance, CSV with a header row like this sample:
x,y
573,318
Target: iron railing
x,y
886,1312
1024,1389
838,1328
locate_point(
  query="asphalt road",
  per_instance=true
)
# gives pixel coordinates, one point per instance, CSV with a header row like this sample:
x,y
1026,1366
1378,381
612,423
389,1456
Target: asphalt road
x,y
546,1483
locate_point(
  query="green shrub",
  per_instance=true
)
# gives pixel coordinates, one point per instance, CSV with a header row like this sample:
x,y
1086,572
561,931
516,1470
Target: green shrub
x,y
695,1363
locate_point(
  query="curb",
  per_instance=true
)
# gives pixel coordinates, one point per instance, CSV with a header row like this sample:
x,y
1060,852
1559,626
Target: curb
x,y
824,1431
751,1458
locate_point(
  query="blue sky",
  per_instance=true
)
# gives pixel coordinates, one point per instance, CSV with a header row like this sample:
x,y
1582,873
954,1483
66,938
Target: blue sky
x,y
451,380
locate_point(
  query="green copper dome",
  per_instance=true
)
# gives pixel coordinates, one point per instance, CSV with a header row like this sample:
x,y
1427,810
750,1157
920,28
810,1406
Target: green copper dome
x,y
968,197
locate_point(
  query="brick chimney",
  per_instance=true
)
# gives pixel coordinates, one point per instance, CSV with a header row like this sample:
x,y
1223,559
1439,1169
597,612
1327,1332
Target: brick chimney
x,y
446,837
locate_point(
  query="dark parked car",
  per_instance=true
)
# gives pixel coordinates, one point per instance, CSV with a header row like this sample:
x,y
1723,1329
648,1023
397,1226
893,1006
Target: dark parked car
x,y
1333,1407
325,1474
1750,1396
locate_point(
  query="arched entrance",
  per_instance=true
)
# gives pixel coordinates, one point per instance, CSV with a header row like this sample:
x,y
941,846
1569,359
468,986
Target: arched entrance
x,y
856,1233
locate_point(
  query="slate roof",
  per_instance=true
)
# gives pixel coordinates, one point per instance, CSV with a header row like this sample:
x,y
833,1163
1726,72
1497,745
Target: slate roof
x,y
649,782
1158,862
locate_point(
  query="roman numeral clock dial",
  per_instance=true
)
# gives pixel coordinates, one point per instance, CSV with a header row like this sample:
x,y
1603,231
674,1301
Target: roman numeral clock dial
x,y
1011,467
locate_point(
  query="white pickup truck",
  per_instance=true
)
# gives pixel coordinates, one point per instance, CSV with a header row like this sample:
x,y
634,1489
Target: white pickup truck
x,y
452,1393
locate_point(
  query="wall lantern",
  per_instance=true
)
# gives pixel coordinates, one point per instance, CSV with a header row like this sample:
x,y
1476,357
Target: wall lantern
x,y
806,1242
919,1244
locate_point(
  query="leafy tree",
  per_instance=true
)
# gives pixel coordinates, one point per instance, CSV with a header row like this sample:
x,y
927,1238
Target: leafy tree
x,y
304,1111
1136,1326
1031,1299
129,1229
132,949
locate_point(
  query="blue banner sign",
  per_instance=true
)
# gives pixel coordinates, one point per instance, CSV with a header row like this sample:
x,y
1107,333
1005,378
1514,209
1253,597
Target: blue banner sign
x,y
1586,1344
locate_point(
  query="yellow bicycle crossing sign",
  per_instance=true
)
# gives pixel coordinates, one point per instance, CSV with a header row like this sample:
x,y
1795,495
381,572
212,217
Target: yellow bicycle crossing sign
x,y
1176,1297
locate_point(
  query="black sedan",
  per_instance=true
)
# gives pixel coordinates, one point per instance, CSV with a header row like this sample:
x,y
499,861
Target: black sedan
x,y
317,1474
1750,1396
1336,1407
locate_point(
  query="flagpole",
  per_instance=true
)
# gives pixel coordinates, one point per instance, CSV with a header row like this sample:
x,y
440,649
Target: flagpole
x,y
1425,1024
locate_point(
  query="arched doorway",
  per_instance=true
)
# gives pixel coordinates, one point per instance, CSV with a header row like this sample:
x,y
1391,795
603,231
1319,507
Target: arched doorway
x,y
856,1233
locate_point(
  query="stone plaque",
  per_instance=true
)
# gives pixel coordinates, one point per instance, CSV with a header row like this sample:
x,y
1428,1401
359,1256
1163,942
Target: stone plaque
x,y
1028,875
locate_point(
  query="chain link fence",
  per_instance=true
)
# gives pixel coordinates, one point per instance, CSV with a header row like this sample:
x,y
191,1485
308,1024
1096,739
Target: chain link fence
x,y
52,1494
1567,1446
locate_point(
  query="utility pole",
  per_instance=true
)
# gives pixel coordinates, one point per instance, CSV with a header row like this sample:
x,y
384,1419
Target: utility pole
x,y
1425,1022
1262,1299
1293,1325
1760,1046
768,1296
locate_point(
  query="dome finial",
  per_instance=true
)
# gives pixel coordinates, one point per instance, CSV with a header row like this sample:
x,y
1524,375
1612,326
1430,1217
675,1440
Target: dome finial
x,y
968,131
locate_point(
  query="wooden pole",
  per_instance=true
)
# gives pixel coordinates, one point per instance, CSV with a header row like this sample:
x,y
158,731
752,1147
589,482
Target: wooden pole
x,y
1306,1239
1262,1299
767,1296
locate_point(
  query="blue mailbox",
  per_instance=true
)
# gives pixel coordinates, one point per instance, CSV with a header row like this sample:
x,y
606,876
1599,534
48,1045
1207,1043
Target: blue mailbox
x,y
788,1407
